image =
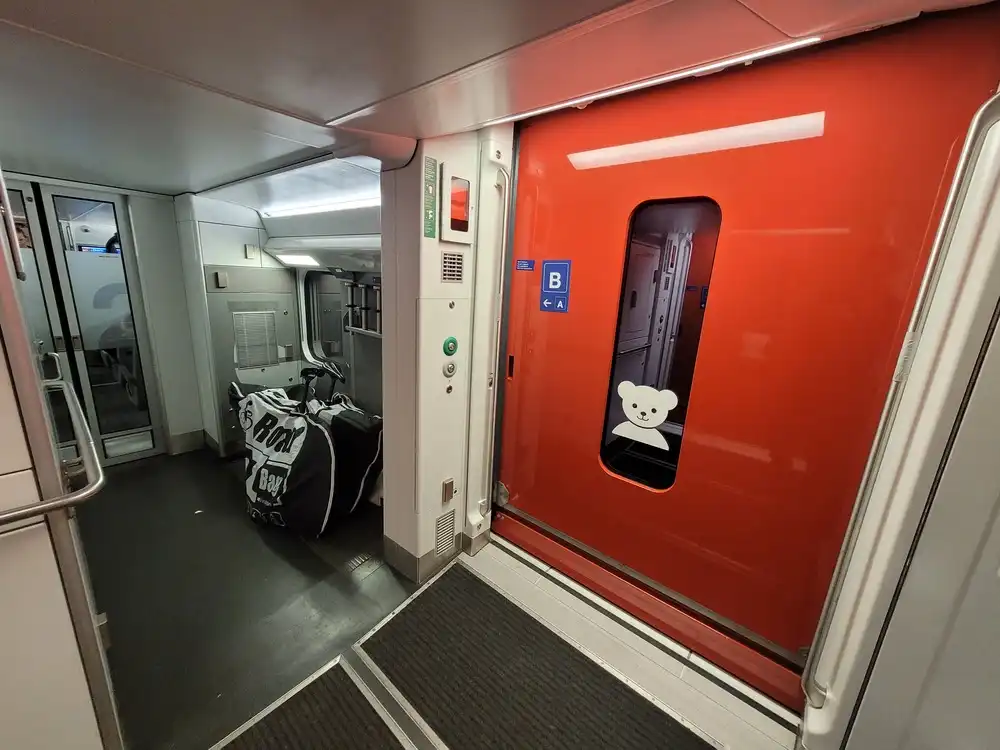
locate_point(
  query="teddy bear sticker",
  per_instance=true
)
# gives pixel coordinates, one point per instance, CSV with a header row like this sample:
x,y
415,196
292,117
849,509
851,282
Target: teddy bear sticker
x,y
646,409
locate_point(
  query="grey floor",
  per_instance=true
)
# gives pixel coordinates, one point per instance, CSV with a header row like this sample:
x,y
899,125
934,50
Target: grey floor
x,y
212,617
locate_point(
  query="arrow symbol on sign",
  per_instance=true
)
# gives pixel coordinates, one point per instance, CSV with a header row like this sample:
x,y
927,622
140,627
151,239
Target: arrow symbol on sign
x,y
547,303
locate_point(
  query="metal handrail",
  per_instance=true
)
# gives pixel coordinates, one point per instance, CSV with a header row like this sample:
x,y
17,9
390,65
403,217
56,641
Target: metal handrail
x,y
504,187
88,454
815,693
58,363
11,231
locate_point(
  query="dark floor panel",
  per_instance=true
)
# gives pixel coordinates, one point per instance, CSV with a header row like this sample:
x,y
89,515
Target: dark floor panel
x,y
330,712
461,649
211,616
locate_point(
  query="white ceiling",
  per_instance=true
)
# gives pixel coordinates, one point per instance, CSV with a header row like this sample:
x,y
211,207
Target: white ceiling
x,y
326,184
76,115
316,59
636,42
188,95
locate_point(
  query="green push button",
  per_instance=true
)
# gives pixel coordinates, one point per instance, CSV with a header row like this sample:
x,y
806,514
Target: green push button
x,y
450,345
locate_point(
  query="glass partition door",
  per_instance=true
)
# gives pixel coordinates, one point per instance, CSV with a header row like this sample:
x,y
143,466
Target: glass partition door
x,y
96,280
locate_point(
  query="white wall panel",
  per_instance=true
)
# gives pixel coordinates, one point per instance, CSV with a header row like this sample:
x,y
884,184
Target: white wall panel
x,y
14,454
220,212
224,245
197,299
17,488
43,690
158,253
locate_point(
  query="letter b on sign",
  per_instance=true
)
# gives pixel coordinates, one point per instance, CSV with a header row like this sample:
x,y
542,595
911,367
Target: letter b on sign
x,y
555,276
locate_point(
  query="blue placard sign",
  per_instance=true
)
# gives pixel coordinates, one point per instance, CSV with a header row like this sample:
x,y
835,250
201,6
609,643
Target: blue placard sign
x,y
555,286
524,265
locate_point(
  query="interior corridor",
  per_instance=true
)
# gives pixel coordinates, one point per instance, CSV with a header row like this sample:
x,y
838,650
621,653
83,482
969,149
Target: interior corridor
x,y
213,616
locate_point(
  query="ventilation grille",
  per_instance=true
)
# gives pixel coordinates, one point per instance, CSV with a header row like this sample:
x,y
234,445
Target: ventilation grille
x,y
444,534
452,265
256,338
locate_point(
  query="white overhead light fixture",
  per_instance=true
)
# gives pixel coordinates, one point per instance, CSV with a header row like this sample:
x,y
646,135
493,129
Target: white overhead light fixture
x,y
298,260
336,242
323,208
700,70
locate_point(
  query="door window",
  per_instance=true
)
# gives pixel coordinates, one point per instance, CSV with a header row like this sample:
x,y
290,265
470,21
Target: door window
x,y
668,266
91,243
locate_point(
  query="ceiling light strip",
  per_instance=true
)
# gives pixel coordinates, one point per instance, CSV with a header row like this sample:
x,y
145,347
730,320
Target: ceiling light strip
x,y
677,75
298,260
323,208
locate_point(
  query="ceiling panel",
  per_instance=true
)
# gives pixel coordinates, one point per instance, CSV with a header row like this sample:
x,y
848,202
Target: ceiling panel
x,y
640,41
313,58
636,42
798,18
322,185
77,115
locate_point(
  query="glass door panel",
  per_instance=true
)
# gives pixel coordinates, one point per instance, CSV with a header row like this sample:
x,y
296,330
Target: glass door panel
x,y
97,278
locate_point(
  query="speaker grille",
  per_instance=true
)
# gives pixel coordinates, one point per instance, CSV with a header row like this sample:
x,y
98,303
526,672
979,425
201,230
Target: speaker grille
x,y
444,536
452,267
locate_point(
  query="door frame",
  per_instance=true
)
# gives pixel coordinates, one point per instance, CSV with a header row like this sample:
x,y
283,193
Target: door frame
x,y
945,346
39,238
23,365
137,307
42,250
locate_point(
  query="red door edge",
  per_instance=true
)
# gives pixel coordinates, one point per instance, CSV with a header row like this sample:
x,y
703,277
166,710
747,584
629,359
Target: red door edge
x,y
740,660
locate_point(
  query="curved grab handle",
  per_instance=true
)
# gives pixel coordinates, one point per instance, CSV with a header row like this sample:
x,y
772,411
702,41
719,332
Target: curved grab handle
x,y
88,454
58,363
503,185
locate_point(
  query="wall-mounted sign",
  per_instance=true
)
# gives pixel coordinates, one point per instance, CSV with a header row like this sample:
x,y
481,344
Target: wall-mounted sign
x,y
430,196
524,265
555,286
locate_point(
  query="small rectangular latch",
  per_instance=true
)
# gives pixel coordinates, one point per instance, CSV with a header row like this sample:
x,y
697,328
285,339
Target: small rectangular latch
x,y
502,496
905,360
447,490
101,621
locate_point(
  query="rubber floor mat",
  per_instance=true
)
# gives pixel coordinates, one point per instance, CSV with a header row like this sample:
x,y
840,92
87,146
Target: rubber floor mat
x,y
330,712
483,673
